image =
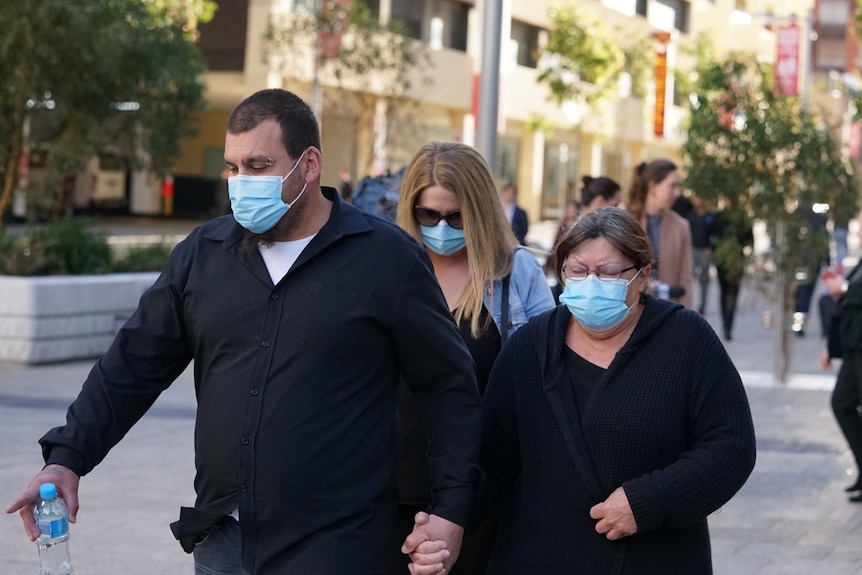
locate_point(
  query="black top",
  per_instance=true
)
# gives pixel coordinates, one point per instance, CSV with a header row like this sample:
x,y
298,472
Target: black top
x,y
483,348
703,229
583,375
413,472
296,386
668,421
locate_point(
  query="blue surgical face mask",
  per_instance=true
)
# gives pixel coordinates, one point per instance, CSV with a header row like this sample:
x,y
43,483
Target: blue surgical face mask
x,y
443,239
256,200
598,305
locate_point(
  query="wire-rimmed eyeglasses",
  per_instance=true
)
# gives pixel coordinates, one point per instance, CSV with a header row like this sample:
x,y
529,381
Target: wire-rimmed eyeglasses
x,y
608,274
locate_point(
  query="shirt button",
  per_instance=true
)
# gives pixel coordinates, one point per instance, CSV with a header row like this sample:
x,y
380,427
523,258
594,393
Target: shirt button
x,y
244,488
274,296
245,440
254,392
265,344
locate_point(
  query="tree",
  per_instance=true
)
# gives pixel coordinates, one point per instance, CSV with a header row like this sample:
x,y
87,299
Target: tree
x,y
584,58
757,155
82,76
362,60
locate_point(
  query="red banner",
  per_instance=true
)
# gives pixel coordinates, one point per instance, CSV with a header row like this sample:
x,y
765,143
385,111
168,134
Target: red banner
x,y
787,61
334,22
660,73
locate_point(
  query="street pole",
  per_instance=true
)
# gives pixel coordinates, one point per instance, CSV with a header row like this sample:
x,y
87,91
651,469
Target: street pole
x,y
489,85
779,323
316,95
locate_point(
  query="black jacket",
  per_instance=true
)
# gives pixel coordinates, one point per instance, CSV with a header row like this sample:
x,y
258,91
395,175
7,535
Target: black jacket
x,y
845,328
296,387
668,421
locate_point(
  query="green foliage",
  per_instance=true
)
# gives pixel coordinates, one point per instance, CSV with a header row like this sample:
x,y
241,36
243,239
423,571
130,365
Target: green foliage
x,y
73,247
65,247
372,58
89,75
150,258
757,155
763,155
582,59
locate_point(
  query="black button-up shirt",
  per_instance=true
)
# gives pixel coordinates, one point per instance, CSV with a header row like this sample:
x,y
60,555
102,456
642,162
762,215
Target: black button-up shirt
x,y
296,387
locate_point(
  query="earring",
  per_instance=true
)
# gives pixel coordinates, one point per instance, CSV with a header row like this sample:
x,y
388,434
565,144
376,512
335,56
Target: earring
x,y
268,162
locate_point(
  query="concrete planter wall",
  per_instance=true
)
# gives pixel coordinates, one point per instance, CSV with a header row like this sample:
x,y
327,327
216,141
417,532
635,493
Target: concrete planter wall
x,y
59,318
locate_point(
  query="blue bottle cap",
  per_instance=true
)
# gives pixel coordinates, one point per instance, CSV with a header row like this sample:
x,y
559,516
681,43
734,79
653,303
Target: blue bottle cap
x,y
48,491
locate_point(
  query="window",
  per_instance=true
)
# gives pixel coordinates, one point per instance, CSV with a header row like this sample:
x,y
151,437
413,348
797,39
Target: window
x,y
441,22
830,54
832,12
223,39
453,17
407,13
527,37
680,9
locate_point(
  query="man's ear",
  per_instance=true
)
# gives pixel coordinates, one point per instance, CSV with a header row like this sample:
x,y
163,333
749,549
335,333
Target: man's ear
x,y
313,164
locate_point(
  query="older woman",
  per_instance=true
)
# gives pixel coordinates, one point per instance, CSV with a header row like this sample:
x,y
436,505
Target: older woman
x,y
613,424
450,204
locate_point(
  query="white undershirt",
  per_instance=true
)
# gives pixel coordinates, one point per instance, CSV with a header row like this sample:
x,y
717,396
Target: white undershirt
x,y
509,210
280,256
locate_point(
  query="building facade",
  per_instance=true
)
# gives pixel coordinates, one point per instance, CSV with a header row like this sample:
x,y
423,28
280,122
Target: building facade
x,y
543,147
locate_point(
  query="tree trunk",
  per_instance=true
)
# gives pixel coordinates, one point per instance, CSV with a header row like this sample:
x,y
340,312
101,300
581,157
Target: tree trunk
x,y
11,175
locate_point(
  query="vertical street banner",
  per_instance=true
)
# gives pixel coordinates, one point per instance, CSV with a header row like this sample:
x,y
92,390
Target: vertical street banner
x,y
333,22
660,74
787,61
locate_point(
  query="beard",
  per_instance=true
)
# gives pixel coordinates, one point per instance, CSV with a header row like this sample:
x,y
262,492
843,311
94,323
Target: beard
x,y
289,222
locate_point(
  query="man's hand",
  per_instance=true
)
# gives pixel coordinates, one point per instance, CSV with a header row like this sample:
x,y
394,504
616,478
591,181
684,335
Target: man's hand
x,y
825,361
67,487
614,515
434,544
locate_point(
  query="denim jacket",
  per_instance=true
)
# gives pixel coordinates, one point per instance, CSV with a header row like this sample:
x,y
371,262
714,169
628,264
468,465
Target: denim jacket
x,y
529,293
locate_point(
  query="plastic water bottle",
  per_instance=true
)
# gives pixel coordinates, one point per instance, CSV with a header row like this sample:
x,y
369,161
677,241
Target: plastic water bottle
x,y
51,515
662,290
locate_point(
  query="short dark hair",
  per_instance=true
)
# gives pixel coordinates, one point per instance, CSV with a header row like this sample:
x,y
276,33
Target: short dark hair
x,y
299,127
594,187
617,226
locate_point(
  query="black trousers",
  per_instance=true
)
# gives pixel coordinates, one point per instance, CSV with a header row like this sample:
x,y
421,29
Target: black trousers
x,y
847,402
729,289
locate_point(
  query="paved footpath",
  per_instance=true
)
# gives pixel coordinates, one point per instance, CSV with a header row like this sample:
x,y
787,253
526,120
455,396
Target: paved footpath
x,y
792,516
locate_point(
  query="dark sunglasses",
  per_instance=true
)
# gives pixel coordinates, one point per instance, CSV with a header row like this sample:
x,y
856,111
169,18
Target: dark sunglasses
x,y
429,217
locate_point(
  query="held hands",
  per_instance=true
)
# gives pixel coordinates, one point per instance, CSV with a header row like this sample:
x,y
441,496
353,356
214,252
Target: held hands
x,y
614,515
433,545
833,281
67,487
825,361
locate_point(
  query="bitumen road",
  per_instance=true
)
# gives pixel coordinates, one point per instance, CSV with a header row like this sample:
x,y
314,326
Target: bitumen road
x,y
791,517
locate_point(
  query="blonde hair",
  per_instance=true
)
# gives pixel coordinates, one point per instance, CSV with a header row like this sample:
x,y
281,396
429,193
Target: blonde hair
x,y
490,241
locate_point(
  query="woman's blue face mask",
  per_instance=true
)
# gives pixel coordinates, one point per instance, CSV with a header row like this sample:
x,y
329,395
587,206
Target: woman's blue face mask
x,y
598,305
443,239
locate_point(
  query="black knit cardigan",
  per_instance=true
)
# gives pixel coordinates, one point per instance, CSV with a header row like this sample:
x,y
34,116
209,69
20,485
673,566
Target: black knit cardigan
x,y
669,421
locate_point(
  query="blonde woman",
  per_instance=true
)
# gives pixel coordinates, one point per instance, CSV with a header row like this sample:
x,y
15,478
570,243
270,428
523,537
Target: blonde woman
x,y
450,204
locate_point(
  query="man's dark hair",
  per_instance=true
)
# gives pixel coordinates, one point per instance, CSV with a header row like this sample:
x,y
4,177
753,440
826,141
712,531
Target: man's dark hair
x,y
299,127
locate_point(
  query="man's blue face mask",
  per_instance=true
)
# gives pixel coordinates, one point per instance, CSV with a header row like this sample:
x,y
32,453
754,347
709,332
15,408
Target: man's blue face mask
x,y
256,200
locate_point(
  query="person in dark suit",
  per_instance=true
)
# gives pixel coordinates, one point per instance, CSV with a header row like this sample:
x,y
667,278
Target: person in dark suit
x,y
613,425
517,217
845,342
